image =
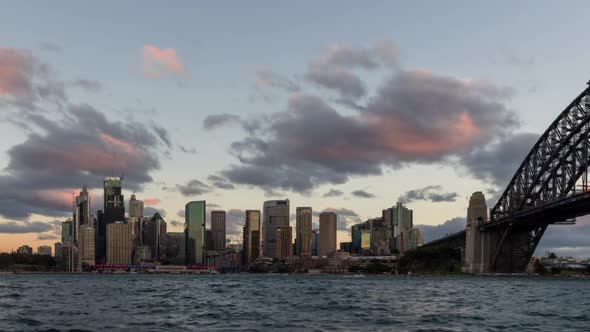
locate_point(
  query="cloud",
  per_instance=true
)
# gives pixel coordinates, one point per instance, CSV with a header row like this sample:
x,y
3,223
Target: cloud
x,y
451,226
235,219
267,78
152,201
175,223
24,81
50,47
163,135
429,193
519,61
62,154
218,120
181,214
87,84
333,193
416,116
333,69
161,62
362,194
345,218
497,162
43,237
24,227
212,205
220,182
193,188
187,150
567,240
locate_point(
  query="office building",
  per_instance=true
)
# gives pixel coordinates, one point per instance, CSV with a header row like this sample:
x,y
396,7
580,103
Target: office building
x,y
86,245
252,232
275,215
327,244
175,248
57,249
113,211
141,254
284,242
155,237
66,231
44,250
119,243
135,207
218,230
82,213
209,240
303,231
70,257
398,219
315,241
195,232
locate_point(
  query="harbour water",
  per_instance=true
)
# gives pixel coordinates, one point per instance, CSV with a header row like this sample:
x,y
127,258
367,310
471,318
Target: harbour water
x,y
291,303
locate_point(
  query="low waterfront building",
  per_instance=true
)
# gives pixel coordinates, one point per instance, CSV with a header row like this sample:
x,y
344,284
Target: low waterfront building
x,y
25,250
44,250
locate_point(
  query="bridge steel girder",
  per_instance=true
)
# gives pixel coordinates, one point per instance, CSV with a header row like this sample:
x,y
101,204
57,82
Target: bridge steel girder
x,y
555,163
515,248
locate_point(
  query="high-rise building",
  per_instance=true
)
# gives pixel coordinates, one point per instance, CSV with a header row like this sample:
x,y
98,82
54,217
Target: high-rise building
x,y
218,230
195,231
82,213
303,231
135,207
119,243
327,233
380,237
57,249
284,242
70,257
175,248
252,232
398,219
86,245
155,237
44,250
100,234
113,211
275,215
209,240
66,231
315,242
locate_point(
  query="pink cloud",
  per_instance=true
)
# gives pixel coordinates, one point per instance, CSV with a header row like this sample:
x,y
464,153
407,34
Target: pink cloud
x,y
16,70
160,62
151,201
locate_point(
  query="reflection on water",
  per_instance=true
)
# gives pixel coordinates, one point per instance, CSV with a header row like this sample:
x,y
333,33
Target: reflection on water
x,y
267,302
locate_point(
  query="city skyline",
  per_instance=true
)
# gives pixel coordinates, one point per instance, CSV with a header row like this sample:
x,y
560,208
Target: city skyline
x,y
185,111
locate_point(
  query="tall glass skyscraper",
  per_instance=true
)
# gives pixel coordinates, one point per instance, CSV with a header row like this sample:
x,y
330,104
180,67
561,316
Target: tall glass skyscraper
x,y
194,223
252,232
114,211
303,231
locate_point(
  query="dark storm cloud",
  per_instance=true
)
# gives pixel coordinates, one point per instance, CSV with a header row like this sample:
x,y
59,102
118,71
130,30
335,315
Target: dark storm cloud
x,y
432,194
362,194
451,226
218,120
497,163
219,182
24,227
333,193
193,188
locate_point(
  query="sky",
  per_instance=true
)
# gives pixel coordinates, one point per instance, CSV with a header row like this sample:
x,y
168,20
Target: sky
x,y
337,105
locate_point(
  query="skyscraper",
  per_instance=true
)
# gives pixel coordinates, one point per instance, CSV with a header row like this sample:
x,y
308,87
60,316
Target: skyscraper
x,y
66,231
155,236
284,242
175,249
303,231
275,214
252,232
218,230
114,211
327,233
86,245
119,243
194,215
57,249
315,242
82,213
135,207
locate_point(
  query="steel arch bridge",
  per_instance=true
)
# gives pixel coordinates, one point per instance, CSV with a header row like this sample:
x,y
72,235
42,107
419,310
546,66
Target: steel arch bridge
x,y
549,187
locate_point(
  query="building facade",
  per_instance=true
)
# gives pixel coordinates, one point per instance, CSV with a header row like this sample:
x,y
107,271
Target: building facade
x,y
175,249
218,229
315,242
303,220
284,242
57,249
119,243
251,235
86,245
44,250
195,232
155,237
327,233
113,211
275,215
